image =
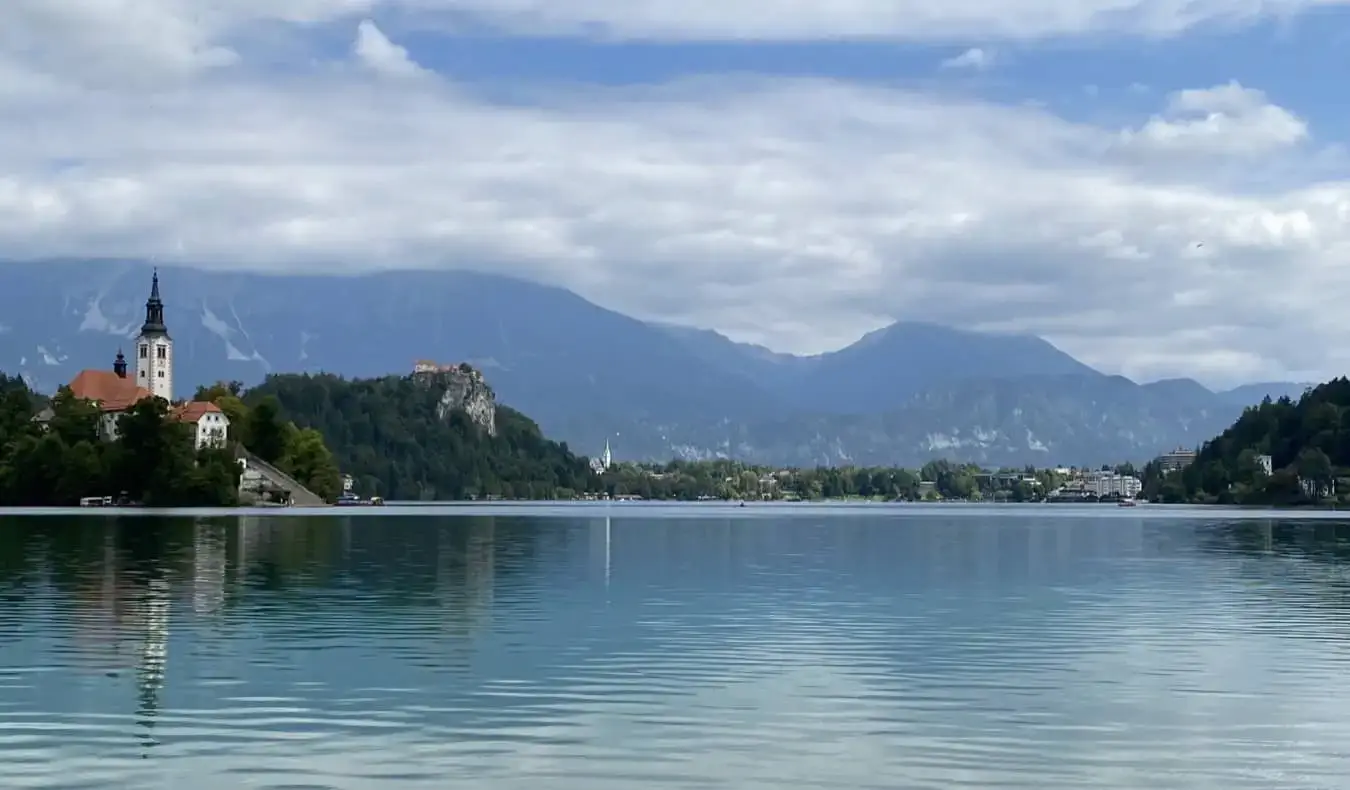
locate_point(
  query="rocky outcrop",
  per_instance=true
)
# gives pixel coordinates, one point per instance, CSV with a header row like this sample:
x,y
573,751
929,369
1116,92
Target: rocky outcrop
x,y
462,388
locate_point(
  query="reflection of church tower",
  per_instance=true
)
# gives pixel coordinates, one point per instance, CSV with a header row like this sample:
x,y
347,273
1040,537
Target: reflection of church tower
x,y
247,537
154,348
208,567
600,543
154,656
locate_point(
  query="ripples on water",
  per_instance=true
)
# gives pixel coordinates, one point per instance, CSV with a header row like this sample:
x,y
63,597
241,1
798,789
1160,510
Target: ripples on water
x,y
886,651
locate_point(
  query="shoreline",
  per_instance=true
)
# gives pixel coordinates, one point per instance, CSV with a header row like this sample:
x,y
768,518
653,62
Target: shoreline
x,y
724,509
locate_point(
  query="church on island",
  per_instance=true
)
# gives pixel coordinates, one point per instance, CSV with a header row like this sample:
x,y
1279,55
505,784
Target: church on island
x,y
116,391
604,462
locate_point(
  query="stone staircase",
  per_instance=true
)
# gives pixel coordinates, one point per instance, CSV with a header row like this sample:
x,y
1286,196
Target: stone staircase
x,y
260,476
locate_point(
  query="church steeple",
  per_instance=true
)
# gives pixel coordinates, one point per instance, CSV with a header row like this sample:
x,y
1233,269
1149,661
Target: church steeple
x,y
154,311
120,365
154,348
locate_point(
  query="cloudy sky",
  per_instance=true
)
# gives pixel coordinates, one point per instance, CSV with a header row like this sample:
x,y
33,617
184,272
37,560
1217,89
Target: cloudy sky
x,y
1158,186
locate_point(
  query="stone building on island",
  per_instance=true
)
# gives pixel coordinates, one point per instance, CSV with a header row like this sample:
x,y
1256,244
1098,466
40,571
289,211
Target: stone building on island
x,y
115,392
209,424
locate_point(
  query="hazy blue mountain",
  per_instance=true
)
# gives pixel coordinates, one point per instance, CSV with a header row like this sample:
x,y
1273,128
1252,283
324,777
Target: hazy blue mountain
x,y
884,368
905,393
1252,394
737,359
889,366
1065,419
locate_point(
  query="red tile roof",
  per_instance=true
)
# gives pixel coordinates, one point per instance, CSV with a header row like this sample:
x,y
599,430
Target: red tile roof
x,y
193,411
110,391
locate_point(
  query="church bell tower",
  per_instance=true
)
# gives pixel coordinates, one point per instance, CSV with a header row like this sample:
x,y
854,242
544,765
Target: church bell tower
x,y
154,348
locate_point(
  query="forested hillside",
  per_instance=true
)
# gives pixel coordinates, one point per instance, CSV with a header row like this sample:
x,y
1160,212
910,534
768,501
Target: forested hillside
x,y
1308,442
387,433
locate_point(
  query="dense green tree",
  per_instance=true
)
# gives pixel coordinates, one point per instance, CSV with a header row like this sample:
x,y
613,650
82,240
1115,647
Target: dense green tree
x,y
220,389
33,471
213,480
74,420
308,460
267,434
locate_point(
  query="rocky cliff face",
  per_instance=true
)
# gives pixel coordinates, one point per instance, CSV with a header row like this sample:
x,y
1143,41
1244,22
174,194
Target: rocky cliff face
x,y
463,388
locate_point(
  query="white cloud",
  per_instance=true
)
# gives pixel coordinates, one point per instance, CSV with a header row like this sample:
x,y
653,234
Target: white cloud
x,y
1225,119
111,40
975,59
117,38
892,19
738,203
381,55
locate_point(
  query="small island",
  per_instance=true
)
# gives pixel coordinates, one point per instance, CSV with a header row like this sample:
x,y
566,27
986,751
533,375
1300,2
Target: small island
x,y
116,435
119,436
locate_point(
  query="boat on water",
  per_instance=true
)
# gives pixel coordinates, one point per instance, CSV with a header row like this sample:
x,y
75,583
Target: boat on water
x,y
352,500
1128,502
349,498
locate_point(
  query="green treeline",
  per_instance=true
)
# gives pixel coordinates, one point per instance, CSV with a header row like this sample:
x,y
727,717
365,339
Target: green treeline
x,y
387,434
726,479
57,464
1308,442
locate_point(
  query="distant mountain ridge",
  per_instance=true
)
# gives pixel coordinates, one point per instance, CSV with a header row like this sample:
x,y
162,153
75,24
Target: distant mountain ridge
x,y
901,395
1251,394
887,366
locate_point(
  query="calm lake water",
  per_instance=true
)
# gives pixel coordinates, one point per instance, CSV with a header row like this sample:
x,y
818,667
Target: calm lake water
x,y
642,648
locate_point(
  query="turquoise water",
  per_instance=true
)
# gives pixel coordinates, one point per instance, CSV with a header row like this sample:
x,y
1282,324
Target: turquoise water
x,y
642,647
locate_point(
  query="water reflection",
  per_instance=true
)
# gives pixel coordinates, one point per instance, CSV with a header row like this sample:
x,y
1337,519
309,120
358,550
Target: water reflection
x,y
513,652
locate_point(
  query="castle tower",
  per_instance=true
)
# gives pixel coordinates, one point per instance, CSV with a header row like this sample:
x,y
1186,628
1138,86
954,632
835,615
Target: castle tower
x,y
120,365
154,348
607,458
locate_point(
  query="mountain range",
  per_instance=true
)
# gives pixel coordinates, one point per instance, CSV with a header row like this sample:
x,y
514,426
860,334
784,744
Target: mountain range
x,y
904,394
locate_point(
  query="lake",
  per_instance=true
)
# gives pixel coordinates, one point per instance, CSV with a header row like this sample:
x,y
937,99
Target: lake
x,y
635,648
